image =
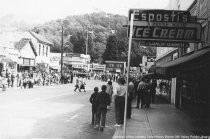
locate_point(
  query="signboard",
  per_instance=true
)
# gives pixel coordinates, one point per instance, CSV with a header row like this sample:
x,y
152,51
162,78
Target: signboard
x,y
160,15
163,44
165,26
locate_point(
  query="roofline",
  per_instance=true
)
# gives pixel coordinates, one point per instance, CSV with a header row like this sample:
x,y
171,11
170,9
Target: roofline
x,y
51,44
165,54
114,61
191,5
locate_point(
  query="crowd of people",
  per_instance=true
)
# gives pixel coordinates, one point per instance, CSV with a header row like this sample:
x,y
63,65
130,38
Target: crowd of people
x,y
141,89
27,79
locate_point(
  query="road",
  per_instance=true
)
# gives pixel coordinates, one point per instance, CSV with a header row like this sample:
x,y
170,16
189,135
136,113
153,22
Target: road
x,y
50,112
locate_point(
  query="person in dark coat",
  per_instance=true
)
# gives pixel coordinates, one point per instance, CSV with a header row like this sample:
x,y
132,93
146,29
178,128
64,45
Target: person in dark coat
x,y
102,101
153,86
142,93
72,77
94,106
131,91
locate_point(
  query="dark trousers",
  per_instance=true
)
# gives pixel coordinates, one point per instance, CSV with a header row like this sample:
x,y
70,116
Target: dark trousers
x,y
94,110
129,106
153,98
12,82
119,109
77,87
139,98
101,116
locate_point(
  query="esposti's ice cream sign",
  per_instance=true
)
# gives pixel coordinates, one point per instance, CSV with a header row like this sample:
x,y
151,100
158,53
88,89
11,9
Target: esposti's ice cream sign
x,y
164,26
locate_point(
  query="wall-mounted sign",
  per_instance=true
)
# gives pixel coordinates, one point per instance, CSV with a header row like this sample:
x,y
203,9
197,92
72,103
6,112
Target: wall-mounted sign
x,y
163,44
165,26
160,15
191,32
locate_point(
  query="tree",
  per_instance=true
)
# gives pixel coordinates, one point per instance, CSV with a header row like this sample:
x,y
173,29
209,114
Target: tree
x,y
111,48
79,42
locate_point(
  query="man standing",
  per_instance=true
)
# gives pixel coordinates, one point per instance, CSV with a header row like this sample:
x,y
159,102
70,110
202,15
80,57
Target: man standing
x,y
141,93
131,90
102,101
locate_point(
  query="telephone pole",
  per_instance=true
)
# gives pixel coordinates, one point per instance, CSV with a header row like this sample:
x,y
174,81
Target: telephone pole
x,y
62,50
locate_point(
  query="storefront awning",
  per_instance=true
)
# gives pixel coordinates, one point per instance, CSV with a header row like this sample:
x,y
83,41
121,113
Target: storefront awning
x,y
55,67
187,62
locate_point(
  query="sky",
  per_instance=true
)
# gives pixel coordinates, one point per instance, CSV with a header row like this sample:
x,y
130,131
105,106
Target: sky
x,y
40,11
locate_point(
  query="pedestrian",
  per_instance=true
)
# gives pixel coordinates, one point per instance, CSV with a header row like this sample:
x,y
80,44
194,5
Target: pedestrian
x,y
72,77
102,101
82,85
153,86
9,80
77,85
119,98
25,82
109,90
94,106
142,93
131,91
12,79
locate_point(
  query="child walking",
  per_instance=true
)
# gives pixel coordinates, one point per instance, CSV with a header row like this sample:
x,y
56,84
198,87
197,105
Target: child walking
x,y
102,100
94,106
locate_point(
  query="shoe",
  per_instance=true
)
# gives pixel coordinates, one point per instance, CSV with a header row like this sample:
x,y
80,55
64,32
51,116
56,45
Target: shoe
x,y
101,129
96,127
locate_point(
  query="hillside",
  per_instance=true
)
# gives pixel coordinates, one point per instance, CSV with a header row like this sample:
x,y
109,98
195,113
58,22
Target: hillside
x,y
101,25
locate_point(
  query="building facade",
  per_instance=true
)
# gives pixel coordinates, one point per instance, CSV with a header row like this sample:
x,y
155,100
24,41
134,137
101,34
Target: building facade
x,y
42,47
116,66
188,67
76,61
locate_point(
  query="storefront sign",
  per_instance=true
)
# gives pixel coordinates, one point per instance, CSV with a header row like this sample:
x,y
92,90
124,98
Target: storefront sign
x,y
160,15
190,33
163,44
166,26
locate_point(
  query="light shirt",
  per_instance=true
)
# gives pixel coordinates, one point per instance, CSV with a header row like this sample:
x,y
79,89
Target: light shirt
x,y
120,90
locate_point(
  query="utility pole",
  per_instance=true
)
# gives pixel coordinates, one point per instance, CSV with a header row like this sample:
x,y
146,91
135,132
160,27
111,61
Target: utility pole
x,y
87,43
62,51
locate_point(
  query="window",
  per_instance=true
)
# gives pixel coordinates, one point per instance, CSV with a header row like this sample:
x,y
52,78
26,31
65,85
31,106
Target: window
x,y
32,62
111,65
26,61
175,56
39,49
43,51
46,51
119,65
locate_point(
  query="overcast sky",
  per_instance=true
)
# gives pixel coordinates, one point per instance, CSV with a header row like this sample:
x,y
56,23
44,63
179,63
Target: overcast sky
x,y
39,11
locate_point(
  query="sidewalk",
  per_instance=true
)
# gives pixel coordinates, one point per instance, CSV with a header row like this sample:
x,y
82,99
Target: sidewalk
x,y
160,121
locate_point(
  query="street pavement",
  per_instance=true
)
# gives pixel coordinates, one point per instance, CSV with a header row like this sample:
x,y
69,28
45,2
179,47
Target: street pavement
x,y
51,112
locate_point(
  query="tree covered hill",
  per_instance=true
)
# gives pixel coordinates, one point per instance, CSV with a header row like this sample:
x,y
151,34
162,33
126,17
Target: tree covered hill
x,y
97,28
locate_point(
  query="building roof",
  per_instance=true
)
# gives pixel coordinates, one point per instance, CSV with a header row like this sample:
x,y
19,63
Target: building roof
x,y
115,61
19,45
40,38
